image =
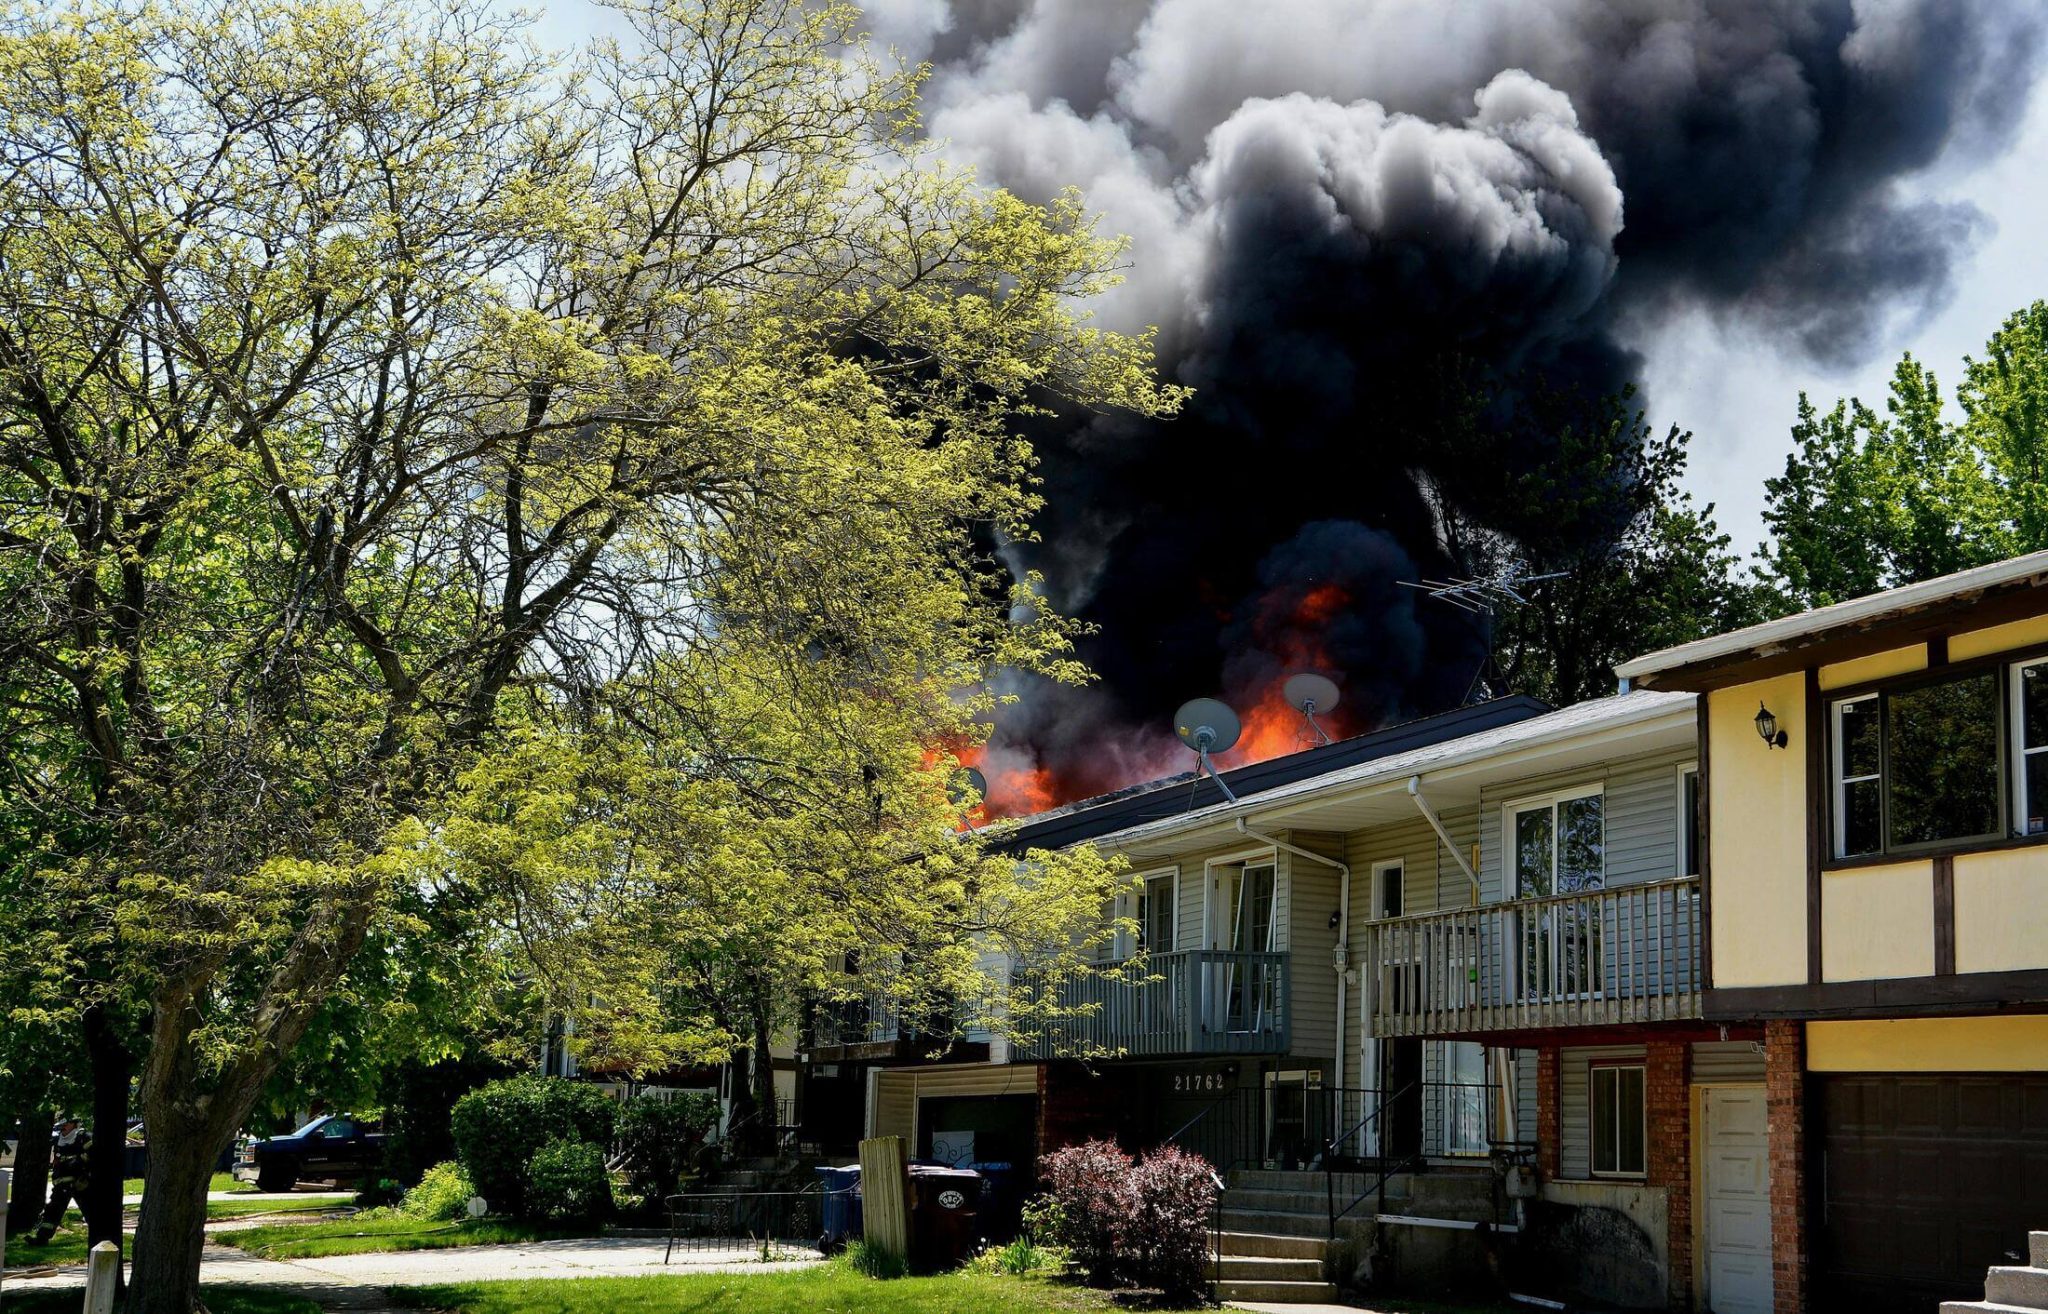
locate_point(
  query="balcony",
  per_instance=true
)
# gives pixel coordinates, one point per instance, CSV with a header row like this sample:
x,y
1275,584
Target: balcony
x,y
1594,958
1200,1001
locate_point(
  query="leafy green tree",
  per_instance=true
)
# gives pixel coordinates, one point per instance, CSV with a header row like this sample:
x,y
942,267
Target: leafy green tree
x,y
1870,501
373,386
1632,562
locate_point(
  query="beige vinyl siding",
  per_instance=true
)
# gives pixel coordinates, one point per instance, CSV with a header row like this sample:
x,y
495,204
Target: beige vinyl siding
x,y
1727,1060
1309,892
1640,814
1575,1106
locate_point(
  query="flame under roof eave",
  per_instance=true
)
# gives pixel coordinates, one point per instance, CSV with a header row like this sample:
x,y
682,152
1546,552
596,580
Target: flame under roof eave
x,y
1457,768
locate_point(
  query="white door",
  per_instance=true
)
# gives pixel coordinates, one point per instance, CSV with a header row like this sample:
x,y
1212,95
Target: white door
x,y
1736,1189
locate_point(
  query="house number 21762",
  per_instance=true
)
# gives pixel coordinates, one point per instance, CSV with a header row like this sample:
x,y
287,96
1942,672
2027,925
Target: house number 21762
x,y
1200,1081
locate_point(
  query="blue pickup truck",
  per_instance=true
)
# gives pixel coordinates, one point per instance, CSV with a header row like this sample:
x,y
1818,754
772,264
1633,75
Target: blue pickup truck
x,y
335,1147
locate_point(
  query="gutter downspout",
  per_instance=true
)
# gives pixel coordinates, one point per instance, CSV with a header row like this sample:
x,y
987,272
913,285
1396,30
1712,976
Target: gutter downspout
x,y
1436,824
1342,961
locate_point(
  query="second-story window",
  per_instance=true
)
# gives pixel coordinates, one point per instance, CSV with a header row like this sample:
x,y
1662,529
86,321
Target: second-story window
x,y
2030,744
1156,916
1558,844
1689,821
1916,766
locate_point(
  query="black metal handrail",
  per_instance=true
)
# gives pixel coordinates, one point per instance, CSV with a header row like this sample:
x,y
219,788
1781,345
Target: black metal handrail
x,y
1385,1169
761,1217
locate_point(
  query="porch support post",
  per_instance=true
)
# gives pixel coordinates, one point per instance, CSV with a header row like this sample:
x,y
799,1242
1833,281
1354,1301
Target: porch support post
x,y
1668,1124
1549,1121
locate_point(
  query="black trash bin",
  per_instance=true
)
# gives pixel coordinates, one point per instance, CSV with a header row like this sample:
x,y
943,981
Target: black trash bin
x,y
944,1206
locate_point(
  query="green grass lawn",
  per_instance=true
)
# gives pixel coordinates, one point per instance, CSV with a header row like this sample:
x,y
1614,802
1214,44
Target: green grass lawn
x,y
355,1236
825,1289
219,1300
67,1247
220,1182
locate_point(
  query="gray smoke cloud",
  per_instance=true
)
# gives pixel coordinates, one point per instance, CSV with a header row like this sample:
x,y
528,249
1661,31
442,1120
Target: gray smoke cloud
x,y
1329,198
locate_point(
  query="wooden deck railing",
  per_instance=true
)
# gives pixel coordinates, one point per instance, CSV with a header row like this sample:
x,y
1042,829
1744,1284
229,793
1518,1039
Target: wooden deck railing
x,y
1627,954
1194,1002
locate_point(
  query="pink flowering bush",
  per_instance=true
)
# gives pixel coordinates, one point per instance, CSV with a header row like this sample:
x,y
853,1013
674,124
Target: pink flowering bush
x,y
1133,1224
1176,1195
1092,1186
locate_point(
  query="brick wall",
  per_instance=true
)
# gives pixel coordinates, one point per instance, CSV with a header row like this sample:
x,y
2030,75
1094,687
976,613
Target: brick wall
x,y
1549,1113
1667,1109
1785,1094
1076,1105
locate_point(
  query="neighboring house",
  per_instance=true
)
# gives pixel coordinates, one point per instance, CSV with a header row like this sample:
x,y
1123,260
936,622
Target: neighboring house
x,y
1876,784
1465,951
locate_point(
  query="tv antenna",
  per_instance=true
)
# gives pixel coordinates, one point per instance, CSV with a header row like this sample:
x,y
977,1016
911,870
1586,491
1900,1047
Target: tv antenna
x,y
1208,725
1483,594
1309,693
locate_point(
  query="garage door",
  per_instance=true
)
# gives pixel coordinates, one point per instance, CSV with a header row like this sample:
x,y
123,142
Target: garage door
x,y
1925,1180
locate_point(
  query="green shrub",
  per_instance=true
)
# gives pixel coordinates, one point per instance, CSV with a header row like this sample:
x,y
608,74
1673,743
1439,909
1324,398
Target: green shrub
x,y
663,1139
442,1195
567,1183
500,1128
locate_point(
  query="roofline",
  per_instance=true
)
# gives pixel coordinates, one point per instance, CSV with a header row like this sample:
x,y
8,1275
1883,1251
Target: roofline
x,y
1369,775
1837,632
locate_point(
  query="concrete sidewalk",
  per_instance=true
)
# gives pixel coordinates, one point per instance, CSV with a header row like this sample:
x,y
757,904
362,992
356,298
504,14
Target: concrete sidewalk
x,y
355,1282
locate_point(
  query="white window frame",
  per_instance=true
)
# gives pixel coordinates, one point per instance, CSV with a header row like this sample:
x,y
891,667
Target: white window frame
x,y
1594,1072
1150,887
1838,782
1688,862
1130,903
1510,879
2022,757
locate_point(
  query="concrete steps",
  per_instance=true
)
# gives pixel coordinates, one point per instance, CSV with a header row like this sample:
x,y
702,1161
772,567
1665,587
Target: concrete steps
x,y
1278,1293
1273,1245
2012,1288
1265,1268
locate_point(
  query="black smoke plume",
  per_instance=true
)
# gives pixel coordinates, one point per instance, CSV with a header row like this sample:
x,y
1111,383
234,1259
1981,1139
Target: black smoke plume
x,y
1352,217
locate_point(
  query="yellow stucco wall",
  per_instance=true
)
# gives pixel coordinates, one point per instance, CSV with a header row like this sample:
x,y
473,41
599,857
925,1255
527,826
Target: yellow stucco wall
x,y
1757,839
1877,923
1877,666
1946,1044
2002,910
1999,638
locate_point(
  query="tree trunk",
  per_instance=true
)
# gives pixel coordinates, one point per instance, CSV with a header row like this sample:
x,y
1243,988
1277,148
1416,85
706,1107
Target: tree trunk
x,y
172,1230
764,1071
31,1172
740,1125
113,1068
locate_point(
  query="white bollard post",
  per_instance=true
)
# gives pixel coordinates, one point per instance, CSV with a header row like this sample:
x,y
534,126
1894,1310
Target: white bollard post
x,y
102,1274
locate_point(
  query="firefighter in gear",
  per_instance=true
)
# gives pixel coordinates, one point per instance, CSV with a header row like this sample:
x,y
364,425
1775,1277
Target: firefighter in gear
x,y
67,1176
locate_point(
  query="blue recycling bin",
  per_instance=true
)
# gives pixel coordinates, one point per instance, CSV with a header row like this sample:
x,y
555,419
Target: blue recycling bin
x,y
841,1219
1000,1200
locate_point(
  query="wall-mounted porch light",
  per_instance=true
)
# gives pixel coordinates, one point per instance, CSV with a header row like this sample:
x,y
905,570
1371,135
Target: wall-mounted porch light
x,y
1767,728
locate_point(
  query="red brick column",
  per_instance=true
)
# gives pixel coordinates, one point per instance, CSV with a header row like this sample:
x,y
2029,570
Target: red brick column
x,y
1667,1110
1548,1113
1785,1093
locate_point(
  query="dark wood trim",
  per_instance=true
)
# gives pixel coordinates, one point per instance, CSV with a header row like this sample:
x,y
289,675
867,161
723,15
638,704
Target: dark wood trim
x,y
1817,823
1955,849
1979,609
1937,651
1945,916
1704,858
1935,674
1919,996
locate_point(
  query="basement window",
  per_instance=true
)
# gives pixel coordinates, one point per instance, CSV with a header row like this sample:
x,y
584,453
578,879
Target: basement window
x,y
1619,1145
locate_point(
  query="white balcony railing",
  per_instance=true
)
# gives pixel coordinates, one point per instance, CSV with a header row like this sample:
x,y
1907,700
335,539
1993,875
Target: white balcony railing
x,y
1627,954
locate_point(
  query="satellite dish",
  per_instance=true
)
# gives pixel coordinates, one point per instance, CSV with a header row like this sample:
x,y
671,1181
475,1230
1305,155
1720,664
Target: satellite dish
x,y
1206,724
1309,693
968,785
